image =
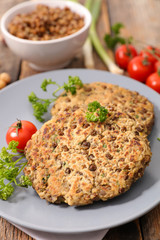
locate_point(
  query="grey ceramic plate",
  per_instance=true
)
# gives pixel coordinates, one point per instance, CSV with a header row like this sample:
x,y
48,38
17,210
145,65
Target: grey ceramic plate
x,y
27,209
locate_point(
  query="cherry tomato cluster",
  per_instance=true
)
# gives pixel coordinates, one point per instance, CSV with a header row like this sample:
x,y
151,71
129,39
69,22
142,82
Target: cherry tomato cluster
x,y
143,66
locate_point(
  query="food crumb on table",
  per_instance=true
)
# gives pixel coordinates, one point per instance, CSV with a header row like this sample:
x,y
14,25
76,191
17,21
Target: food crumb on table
x,y
4,79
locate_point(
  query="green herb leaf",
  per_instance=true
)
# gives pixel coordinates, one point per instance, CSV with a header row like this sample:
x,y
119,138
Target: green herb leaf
x,y
6,192
113,39
10,168
96,112
24,181
158,139
91,117
93,106
40,105
73,83
47,82
102,114
117,27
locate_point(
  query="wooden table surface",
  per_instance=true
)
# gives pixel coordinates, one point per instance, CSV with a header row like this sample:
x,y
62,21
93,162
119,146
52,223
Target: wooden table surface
x,y
142,21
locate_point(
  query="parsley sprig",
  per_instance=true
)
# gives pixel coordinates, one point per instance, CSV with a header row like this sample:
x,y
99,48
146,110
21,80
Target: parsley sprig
x,y
113,39
40,105
96,112
10,168
158,139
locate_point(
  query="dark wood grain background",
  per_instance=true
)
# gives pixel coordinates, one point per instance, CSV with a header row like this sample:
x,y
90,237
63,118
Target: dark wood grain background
x,y
142,21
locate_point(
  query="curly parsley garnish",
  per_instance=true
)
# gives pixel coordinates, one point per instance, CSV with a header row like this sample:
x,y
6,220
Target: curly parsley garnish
x,y
158,139
10,168
96,112
113,39
40,105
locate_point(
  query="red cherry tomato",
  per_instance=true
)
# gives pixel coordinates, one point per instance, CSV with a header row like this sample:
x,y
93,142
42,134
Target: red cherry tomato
x,y
157,66
150,52
153,81
157,52
124,54
20,131
140,68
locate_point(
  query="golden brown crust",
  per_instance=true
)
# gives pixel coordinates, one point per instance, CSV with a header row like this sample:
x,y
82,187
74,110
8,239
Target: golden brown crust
x,y
74,161
132,103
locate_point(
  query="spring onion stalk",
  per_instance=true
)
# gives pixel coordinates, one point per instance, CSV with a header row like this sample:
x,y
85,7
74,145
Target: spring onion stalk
x,y
87,48
95,9
88,54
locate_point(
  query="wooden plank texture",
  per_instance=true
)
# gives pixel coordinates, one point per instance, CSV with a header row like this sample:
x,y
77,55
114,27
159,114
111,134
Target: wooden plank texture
x,y
9,62
141,19
10,232
150,224
129,231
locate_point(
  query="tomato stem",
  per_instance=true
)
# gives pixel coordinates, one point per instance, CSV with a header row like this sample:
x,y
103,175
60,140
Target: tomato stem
x,y
153,53
145,61
18,126
128,53
158,71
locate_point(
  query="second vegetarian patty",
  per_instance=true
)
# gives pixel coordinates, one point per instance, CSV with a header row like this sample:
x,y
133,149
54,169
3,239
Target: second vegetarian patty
x,y
134,105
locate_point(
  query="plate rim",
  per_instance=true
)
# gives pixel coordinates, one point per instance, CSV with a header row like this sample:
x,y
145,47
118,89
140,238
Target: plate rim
x,y
35,227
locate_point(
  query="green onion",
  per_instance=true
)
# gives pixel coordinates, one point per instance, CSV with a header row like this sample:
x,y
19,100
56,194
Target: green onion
x,y
87,48
96,42
94,7
88,54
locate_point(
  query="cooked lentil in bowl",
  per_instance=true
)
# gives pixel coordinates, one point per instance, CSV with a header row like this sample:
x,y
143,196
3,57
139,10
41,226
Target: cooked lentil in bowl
x,y
46,23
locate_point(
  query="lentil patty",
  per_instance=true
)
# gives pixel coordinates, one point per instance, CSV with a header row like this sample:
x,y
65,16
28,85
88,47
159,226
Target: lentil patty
x,y
77,162
135,106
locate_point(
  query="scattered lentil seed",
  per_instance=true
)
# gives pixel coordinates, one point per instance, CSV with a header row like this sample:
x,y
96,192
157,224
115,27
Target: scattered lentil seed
x,y
92,167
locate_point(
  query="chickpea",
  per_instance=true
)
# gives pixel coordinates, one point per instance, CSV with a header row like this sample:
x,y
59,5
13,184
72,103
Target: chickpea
x,y
2,84
4,79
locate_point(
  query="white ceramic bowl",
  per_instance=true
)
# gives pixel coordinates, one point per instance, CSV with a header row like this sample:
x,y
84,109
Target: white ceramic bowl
x,y
49,54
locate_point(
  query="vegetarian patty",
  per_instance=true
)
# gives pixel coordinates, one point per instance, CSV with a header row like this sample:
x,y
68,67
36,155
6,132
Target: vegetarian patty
x,y
136,106
77,162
